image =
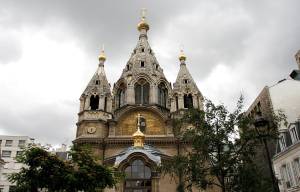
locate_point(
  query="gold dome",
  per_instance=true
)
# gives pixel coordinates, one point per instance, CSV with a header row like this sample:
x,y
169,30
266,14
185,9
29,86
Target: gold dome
x,y
138,133
143,25
182,56
102,56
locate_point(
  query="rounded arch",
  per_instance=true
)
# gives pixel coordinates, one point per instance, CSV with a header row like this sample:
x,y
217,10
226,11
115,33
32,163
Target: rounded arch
x,y
167,84
120,82
136,156
142,76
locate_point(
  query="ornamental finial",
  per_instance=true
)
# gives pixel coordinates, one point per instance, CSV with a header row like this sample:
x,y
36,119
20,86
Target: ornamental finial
x,y
182,56
143,24
102,56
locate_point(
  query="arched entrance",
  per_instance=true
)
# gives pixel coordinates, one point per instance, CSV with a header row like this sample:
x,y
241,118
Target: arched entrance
x,y
138,177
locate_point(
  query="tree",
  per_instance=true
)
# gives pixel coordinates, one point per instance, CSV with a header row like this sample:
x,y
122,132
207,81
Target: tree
x,y
45,171
223,146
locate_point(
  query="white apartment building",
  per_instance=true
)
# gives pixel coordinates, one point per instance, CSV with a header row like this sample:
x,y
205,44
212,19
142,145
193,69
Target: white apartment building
x,y
11,146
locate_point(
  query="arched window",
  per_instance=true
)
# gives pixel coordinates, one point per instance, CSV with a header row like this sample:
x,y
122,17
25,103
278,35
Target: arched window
x,y
120,100
94,102
141,90
138,177
188,101
162,95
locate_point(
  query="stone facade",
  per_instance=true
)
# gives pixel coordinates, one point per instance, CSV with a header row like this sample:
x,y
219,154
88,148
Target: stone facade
x,y
108,119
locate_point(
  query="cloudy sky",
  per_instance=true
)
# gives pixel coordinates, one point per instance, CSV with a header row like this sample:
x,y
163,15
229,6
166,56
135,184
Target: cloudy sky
x,y
49,49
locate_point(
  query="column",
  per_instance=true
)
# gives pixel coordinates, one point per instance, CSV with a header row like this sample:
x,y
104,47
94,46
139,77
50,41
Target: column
x,y
180,101
195,101
101,102
153,94
87,103
130,97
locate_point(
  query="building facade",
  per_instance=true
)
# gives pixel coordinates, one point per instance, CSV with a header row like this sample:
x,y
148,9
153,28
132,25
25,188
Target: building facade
x,y
284,96
11,146
141,96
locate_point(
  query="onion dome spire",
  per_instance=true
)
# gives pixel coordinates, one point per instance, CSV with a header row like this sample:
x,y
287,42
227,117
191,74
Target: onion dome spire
x,y
102,56
138,136
143,24
182,56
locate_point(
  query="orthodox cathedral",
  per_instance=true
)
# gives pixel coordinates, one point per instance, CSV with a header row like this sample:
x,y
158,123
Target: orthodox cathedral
x,y
130,125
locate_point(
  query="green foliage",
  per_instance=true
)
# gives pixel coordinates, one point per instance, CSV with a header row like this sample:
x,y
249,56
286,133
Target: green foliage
x,y
46,171
223,148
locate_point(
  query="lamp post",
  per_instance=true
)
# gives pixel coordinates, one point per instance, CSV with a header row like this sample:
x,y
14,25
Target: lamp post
x,y
260,128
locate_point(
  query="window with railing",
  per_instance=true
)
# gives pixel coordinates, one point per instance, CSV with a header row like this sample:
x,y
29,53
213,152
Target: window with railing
x,y
294,134
296,170
287,175
282,142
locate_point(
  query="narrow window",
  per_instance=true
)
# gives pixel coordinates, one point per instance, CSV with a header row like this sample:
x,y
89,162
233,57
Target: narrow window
x,y
282,142
162,95
97,82
94,102
142,63
141,90
294,134
176,100
105,104
188,101
121,96
127,67
143,50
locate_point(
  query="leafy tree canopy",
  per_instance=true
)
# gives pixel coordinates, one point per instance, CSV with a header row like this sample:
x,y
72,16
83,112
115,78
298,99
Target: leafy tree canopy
x,y
43,170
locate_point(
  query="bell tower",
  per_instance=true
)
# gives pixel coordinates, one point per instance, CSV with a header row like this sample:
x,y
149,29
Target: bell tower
x,y
185,91
95,105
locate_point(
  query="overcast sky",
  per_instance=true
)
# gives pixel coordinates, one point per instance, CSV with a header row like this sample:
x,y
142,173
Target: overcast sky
x,y
49,50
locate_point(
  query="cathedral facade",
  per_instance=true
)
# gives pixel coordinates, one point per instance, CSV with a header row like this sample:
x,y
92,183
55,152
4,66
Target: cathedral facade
x,y
129,125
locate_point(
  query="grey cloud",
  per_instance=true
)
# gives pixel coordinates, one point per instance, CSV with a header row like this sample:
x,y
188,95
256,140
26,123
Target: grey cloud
x,y
258,38
10,49
46,123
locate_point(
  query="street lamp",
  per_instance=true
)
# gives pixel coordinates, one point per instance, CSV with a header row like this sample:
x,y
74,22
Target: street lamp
x,y
260,124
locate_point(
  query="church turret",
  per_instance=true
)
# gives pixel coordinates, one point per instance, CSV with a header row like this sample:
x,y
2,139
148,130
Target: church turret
x,y
142,81
95,104
97,94
185,91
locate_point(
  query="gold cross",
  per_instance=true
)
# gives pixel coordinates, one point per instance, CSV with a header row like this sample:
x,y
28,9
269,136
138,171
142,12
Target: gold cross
x,y
143,13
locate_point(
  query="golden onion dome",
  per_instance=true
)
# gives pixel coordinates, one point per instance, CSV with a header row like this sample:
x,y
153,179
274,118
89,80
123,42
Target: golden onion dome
x,y
102,56
143,25
182,56
138,133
